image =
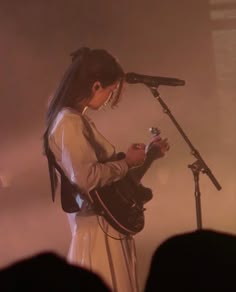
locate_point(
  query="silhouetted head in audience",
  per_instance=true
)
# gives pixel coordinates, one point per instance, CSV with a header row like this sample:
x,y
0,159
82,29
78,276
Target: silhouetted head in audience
x,y
48,272
195,261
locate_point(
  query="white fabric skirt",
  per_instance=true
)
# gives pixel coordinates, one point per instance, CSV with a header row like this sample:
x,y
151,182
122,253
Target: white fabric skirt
x,y
92,248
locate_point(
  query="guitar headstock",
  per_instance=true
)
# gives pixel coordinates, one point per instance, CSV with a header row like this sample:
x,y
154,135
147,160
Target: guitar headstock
x,y
154,131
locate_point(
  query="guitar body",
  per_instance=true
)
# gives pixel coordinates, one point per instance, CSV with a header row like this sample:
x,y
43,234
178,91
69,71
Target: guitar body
x,y
122,204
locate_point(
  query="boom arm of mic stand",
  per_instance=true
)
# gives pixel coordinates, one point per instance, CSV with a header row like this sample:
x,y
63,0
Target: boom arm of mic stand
x,y
204,168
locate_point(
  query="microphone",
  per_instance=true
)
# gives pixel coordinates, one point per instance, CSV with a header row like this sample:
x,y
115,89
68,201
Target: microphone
x,y
152,81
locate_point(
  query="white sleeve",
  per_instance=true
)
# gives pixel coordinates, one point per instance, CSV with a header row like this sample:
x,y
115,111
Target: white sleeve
x,y
76,156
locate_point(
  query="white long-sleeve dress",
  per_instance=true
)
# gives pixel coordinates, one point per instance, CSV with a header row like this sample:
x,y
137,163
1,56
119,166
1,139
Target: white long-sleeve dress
x,y
89,165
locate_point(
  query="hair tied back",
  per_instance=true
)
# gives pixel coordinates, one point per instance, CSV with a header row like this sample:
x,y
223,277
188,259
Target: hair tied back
x,y
80,54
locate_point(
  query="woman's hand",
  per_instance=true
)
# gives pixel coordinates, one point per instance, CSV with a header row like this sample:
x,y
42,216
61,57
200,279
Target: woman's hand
x,y
136,155
157,148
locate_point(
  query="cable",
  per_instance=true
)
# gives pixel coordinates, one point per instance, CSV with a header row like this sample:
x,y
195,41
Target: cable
x,y
100,224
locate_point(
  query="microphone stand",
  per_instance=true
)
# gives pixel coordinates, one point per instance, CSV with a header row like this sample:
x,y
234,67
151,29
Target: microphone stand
x,y
197,166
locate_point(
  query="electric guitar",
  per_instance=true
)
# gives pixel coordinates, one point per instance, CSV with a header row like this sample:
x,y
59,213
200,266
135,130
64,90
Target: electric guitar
x,y
122,202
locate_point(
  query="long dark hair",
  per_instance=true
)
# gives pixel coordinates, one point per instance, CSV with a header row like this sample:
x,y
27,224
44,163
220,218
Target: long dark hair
x,y
87,67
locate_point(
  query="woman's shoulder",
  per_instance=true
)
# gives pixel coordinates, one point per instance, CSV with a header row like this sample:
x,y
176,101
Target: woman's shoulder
x,y
68,117
69,113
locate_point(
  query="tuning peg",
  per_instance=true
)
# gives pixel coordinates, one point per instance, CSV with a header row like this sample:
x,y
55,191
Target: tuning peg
x,y
154,131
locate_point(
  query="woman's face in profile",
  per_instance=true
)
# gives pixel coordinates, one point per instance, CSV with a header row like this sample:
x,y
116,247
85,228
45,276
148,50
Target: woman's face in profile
x,y
101,95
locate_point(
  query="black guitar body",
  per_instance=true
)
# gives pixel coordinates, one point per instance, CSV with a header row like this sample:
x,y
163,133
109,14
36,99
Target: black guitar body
x,y
122,204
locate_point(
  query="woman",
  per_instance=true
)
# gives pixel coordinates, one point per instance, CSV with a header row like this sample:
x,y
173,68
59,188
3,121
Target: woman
x,y
86,161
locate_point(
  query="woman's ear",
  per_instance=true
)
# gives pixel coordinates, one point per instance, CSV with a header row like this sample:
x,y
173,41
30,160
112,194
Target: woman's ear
x,y
96,86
